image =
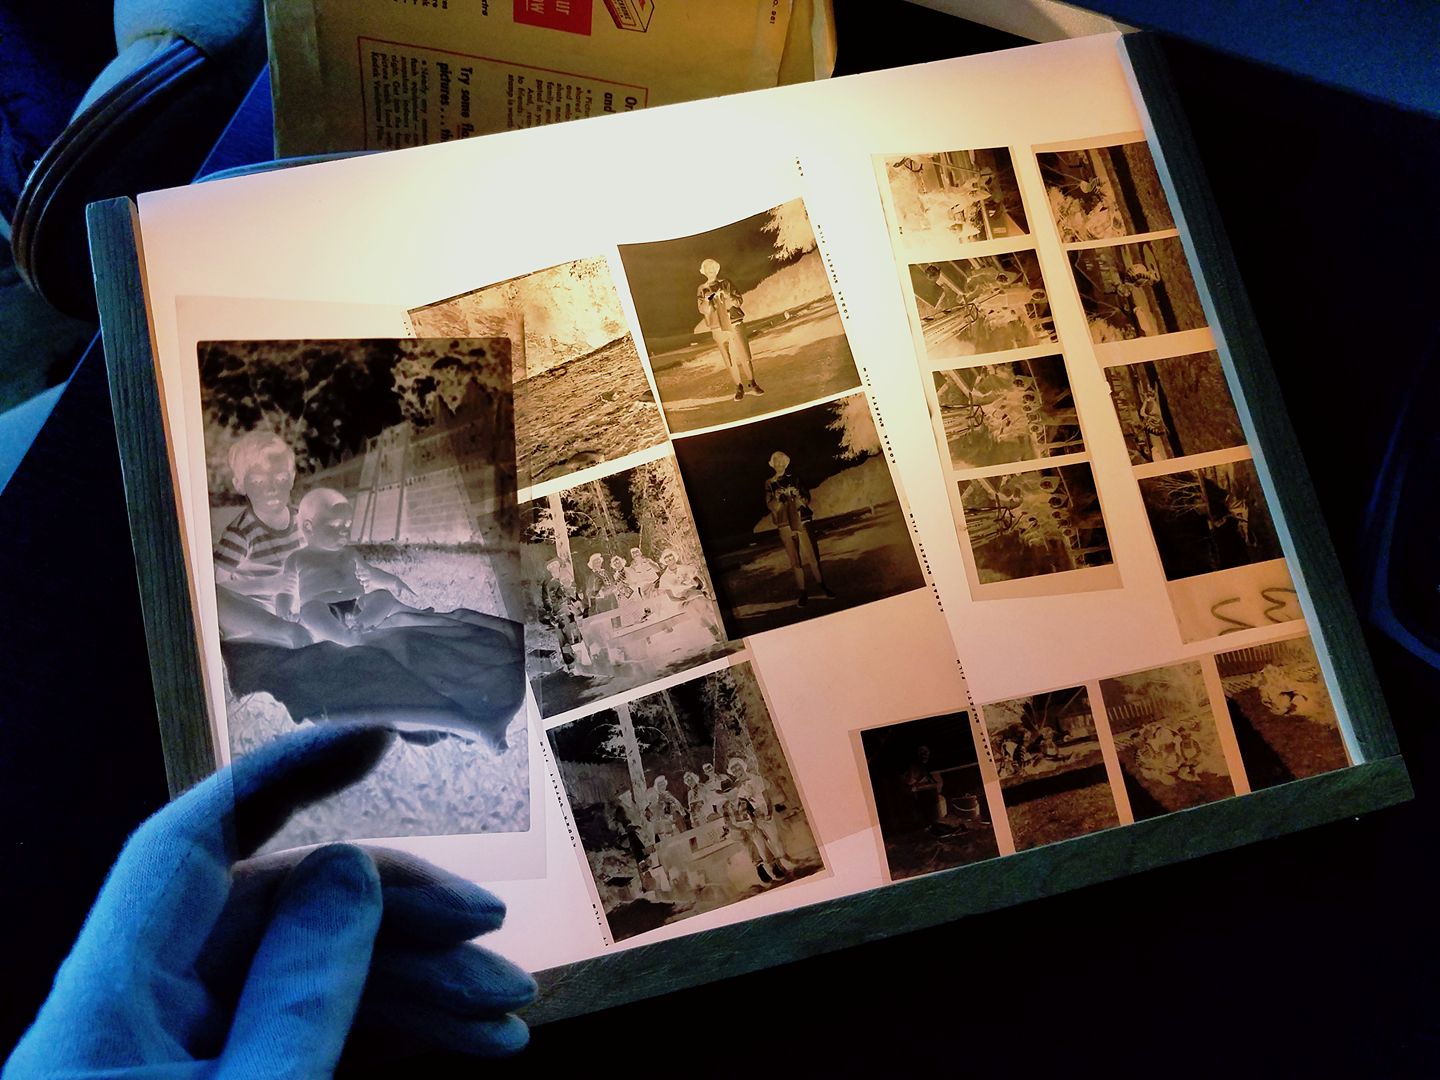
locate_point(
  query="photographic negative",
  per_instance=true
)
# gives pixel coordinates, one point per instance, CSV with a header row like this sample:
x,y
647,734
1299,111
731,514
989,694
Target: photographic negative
x,y
1174,407
617,594
1166,739
1137,290
984,305
1209,519
1042,522
362,505
1281,711
1211,605
683,801
967,195
1104,192
798,516
929,794
581,395
998,413
739,321
1052,771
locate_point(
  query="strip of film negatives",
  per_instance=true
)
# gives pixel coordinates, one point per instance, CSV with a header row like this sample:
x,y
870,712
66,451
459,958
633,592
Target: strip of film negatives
x,y
1013,443
1000,394
1071,760
1209,520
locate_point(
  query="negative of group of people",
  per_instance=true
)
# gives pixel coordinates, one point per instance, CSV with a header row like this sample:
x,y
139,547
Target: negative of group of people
x,y
608,583
739,797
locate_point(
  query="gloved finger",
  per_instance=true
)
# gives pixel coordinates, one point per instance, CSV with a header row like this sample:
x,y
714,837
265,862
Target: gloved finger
x,y
180,859
423,904
297,770
426,904
229,815
307,976
465,980
407,1029
170,883
455,999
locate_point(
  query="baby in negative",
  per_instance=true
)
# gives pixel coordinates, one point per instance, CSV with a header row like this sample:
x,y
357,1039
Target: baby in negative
x,y
328,589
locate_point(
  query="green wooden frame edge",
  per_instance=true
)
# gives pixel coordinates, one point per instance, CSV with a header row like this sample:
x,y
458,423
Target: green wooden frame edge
x,y
170,630
917,903
1248,365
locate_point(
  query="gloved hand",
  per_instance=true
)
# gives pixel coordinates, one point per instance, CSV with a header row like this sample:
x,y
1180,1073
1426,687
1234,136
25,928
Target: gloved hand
x,y
188,966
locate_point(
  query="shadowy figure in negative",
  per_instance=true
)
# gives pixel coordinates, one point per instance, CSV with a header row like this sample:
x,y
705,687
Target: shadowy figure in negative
x,y
789,503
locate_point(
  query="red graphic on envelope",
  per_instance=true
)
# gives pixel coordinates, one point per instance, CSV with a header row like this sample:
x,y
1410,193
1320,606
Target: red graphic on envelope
x,y
572,16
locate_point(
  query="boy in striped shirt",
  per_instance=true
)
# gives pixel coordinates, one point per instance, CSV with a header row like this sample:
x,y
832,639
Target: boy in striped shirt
x,y
251,552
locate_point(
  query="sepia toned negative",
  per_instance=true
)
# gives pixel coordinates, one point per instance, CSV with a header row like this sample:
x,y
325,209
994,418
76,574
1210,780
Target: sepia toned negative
x,y
984,305
798,516
1166,740
739,321
1209,519
999,413
968,196
1031,523
1174,407
683,802
617,593
1105,192
929,794
1052,771
1243,598
362,507
581,396
1281,711
1137,290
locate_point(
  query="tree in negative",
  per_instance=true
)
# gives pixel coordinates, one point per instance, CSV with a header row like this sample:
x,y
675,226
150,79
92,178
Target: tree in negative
x,y
661,512
790,231
859,441
859,437
542,522
325,398
759,734
725,704
426,375
595,512
1177,494
588,510
1002,717
1175,693
659,721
